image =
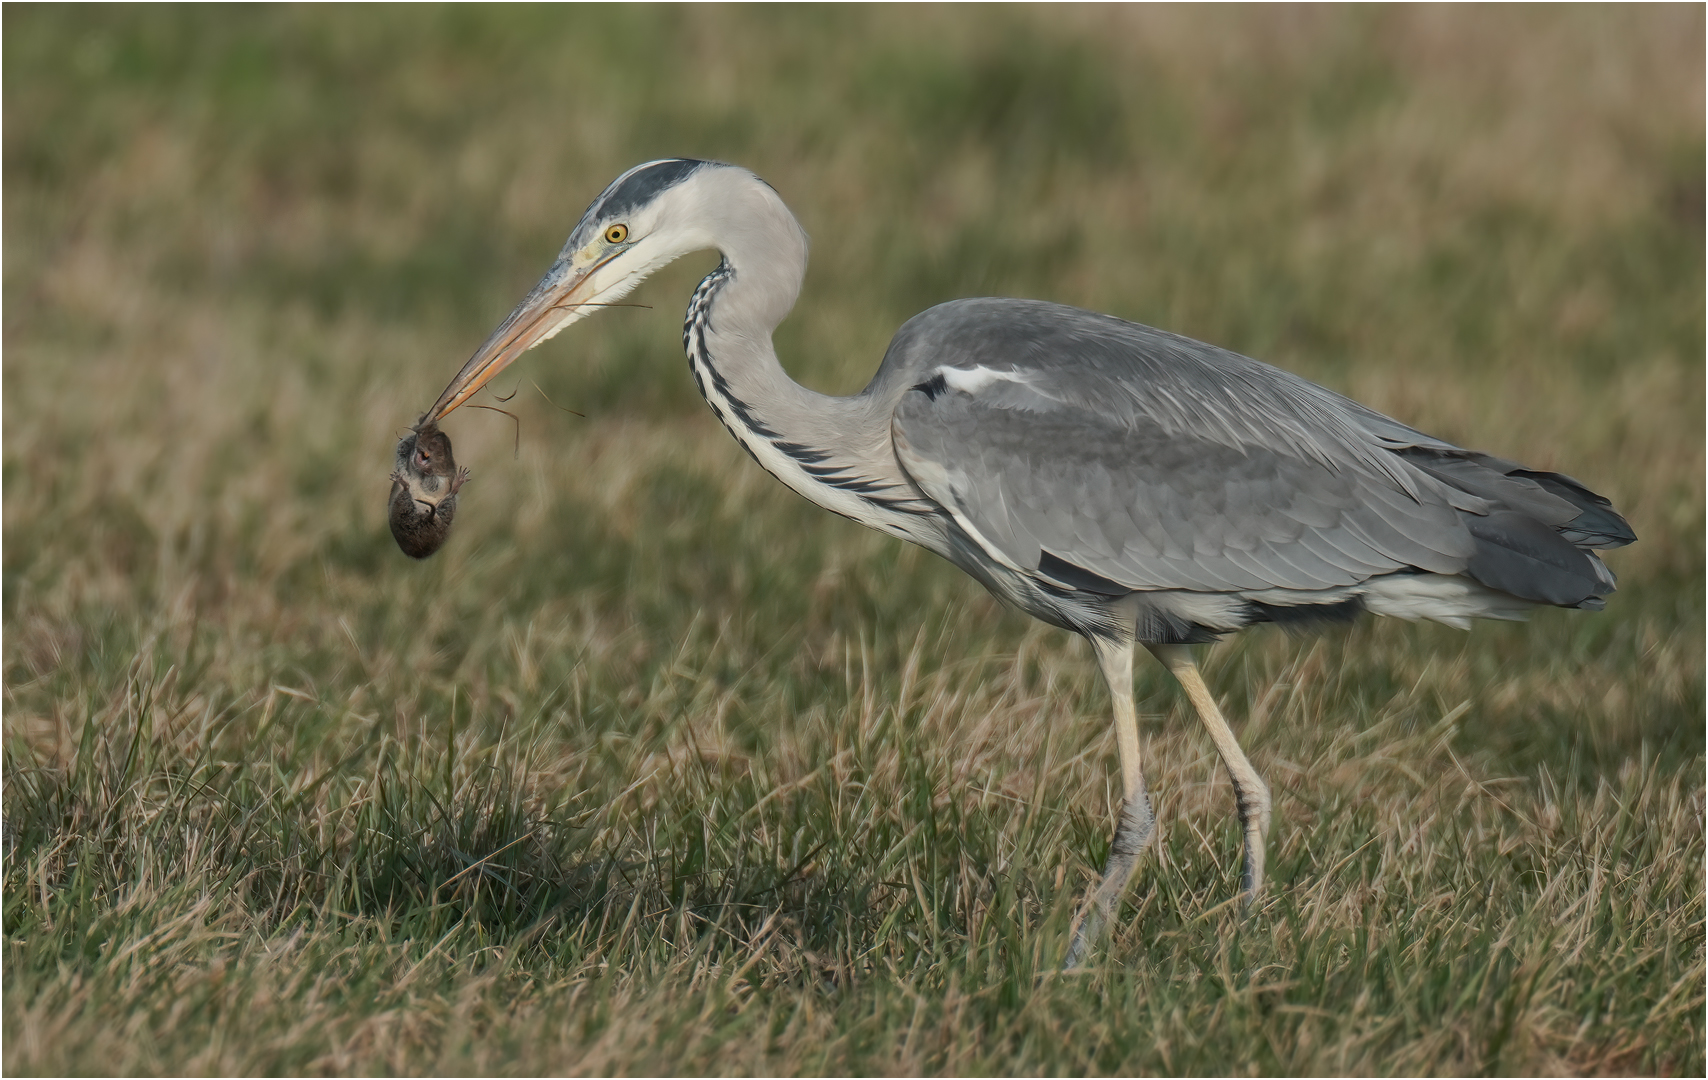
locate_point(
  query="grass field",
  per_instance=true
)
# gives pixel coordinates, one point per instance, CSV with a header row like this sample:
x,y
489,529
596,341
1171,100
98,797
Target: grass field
x,y
658,768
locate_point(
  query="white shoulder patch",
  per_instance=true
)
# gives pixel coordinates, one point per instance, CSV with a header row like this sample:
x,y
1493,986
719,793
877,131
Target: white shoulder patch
x,y
972,380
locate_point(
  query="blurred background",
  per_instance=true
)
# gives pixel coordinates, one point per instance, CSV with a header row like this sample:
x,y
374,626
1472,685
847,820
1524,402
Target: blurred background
x,y
246,246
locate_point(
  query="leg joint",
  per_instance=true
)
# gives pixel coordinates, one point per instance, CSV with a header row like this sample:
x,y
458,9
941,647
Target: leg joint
x,y
1134,830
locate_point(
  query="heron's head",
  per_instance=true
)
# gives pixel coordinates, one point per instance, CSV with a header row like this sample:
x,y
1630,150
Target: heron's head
x,y
649,216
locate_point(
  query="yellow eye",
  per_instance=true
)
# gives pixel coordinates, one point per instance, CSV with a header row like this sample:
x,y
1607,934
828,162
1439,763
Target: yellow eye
x,y
616,234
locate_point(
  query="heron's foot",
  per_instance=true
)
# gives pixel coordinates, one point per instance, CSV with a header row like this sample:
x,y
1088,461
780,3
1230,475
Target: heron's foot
x,y
1254,816
1251,875
1099,913
1089,929
1132,835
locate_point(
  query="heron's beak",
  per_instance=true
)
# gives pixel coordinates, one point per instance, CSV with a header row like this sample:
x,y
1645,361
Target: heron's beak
x,y
559,299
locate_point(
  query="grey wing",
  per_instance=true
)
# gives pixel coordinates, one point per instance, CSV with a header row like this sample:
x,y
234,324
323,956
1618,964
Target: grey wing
x,y
1101,454
1079,498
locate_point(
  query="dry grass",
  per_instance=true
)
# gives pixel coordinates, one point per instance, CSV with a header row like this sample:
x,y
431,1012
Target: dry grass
x,y
657,768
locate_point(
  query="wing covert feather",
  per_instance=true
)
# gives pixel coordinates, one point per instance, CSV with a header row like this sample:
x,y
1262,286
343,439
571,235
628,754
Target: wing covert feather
x,y
1028,475
1109,450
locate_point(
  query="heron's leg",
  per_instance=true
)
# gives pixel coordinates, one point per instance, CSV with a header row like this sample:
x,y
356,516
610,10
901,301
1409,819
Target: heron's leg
x,y
1249,790
1137,824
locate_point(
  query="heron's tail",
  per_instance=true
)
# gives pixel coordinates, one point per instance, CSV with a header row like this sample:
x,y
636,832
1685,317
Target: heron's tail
x,y
1538,538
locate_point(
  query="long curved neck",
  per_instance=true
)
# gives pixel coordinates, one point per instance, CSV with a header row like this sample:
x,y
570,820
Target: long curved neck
x,y
727,336
835,451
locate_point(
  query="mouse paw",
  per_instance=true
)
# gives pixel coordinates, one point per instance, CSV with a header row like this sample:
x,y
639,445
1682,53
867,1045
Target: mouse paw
x,y
459,480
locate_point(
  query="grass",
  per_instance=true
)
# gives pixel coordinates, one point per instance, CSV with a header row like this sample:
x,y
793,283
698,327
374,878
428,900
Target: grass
x,y
657,768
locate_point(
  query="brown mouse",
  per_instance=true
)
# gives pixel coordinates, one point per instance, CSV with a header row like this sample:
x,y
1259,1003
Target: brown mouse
x,y
424,489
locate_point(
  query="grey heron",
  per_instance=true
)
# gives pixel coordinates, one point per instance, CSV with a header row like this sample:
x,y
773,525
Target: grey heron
x,y
1128,484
